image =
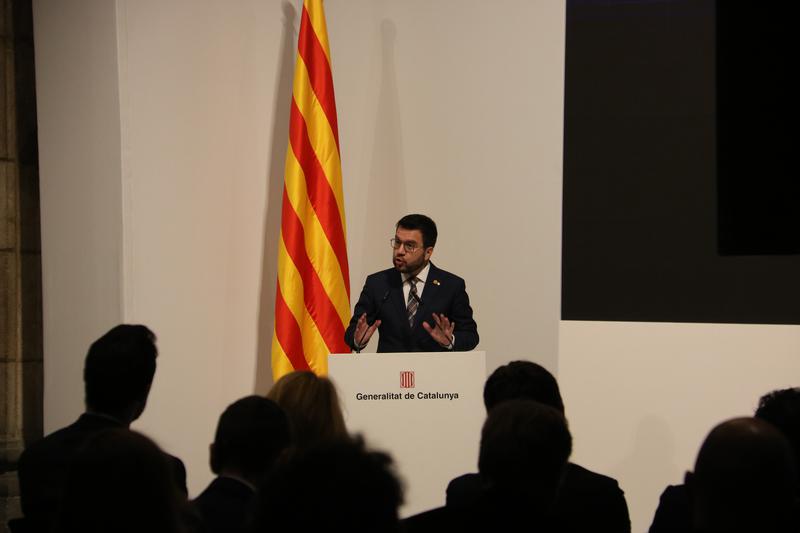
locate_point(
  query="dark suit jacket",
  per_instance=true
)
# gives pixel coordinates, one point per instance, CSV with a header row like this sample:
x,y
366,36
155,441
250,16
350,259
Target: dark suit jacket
x,y
488,514
44,465
674,512
382,298
587,501
225,506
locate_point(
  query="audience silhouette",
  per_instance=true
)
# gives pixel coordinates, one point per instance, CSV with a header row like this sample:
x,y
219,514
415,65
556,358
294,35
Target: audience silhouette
x,y
781,408
587,501
118,373
334,485
744,480
523,457
250,435
120,481
286,463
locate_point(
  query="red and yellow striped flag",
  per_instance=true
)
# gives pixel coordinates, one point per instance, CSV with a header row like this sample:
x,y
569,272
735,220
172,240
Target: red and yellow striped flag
x,y
312,303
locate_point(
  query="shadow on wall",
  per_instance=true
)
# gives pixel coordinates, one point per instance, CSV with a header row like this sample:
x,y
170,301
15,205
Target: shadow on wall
x,y
272,213
654,446
386,198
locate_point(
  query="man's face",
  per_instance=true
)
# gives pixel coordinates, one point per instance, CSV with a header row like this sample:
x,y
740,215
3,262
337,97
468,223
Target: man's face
x,y
410,262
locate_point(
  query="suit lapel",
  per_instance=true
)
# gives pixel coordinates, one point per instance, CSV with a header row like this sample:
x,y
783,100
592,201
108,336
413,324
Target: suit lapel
x,y
398,302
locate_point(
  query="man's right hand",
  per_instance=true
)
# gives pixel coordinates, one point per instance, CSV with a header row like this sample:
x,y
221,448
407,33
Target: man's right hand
x,y
364,331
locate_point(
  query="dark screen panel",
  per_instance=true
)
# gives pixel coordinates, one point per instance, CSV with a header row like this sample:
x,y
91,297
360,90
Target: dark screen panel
x,y
757,143
643,211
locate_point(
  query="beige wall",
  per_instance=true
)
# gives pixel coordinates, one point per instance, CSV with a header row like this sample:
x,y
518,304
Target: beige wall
x,y
199,92
641,397
452,108
162,134
79,162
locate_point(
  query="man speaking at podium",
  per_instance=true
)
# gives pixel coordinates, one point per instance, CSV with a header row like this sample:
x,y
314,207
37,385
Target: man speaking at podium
x,y
415,306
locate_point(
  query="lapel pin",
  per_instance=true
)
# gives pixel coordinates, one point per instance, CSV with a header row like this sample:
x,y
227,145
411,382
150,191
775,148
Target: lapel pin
x,y
436,282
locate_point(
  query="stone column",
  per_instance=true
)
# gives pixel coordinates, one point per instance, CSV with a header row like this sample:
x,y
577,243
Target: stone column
x,y
20,251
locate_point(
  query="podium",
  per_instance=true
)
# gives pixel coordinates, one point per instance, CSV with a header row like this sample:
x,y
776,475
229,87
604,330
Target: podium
x,y
425,409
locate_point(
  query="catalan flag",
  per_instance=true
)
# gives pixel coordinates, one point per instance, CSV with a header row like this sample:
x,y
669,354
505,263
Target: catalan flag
x,y
312,303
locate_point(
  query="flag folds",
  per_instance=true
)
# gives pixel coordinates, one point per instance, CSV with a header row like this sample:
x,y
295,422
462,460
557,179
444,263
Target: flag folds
x,y
312,301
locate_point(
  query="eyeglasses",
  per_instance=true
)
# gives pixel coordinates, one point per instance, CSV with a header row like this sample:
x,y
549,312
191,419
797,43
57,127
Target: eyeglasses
x,y
410,246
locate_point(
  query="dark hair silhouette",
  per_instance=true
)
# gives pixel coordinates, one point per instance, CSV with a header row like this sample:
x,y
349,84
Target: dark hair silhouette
x,y
524,450
744,478
522,380
119,370
424,224
120,481
353,490
781,408
251,433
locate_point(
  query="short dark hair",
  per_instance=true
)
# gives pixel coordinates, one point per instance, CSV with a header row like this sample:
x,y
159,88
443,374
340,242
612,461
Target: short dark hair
x,y
251,433
781,408
424,224
522,380
744,478
524,450
362,493
119,368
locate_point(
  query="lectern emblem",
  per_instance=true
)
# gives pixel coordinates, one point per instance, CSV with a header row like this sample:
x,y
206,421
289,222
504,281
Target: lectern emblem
x,y
407,379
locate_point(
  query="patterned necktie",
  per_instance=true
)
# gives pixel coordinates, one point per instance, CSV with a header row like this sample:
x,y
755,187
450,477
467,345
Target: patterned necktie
x,y
413,300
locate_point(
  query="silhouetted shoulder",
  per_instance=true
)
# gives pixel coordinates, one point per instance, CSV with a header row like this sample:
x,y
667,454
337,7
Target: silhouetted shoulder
x,y
592,500
224,505
464,490
673,514
582,478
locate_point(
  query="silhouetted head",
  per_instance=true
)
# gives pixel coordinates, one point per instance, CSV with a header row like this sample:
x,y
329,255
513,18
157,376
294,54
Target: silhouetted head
x,y
522,380
251,433
781,408
744,478
333,486
524,449
119,370
312,405
120,481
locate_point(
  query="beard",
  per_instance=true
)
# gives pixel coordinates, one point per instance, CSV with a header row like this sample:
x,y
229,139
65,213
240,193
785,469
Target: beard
x,y
409,266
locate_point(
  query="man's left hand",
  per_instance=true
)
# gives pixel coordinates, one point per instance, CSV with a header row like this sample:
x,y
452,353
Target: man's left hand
x,y
442,331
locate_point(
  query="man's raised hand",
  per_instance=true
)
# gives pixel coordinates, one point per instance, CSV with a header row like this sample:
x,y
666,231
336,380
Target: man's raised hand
x,y
364,331
442,331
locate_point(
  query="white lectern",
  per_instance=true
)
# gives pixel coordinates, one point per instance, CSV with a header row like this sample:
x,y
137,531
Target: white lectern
x,y
425,409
